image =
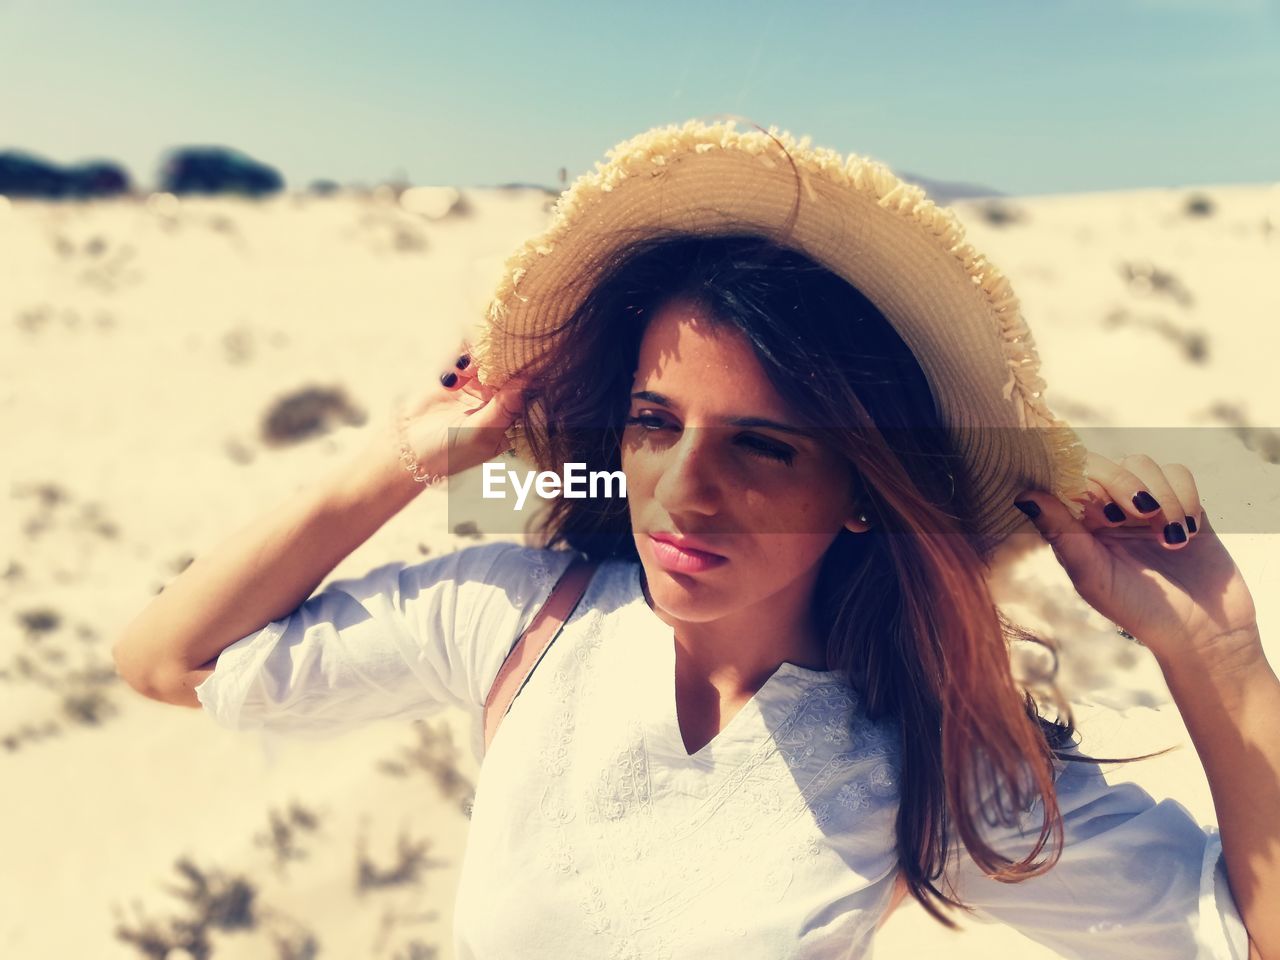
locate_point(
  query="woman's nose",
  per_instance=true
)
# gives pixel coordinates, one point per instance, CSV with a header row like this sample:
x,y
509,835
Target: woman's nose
x,y
690,481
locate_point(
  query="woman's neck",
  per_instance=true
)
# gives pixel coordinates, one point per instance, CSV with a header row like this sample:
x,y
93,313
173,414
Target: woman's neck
x,y
737,653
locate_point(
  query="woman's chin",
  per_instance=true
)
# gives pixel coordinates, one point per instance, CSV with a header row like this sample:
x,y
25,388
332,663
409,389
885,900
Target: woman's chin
x,y
680,596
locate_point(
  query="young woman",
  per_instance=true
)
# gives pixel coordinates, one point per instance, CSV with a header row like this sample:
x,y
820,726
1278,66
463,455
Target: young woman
x,y
785,696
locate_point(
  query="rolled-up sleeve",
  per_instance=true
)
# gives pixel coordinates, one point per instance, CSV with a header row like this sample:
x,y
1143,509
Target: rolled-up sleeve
x,y
400,641
1137,879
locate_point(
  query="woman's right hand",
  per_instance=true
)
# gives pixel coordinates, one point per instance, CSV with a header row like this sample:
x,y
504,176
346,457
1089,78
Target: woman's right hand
x,y
458,422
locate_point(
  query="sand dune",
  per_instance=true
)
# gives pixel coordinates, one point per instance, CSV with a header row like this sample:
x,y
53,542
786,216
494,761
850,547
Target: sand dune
x,y
172,368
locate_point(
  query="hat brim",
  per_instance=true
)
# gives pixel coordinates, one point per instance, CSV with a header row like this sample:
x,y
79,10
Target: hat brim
x,y
952,307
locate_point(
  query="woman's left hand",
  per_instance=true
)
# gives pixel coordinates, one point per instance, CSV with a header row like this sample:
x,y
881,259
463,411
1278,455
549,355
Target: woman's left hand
x,y
1178,592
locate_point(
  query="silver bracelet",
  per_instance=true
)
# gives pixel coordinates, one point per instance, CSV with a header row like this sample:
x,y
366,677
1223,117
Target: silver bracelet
x,y
406,455
1129,636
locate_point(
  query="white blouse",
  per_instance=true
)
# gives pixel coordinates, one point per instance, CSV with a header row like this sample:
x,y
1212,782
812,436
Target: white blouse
x,y
595,834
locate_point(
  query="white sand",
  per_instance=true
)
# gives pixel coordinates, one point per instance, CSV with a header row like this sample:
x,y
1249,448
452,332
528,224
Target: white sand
x,y
142,343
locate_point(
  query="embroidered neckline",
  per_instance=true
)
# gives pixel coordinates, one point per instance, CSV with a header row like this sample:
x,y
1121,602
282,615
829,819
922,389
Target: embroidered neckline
x,y
636,839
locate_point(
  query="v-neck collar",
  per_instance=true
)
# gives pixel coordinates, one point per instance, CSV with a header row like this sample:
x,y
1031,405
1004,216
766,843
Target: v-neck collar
x,y
745,729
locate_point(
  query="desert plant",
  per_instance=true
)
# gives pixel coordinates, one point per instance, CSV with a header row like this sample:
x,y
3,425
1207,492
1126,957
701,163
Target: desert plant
x,y
1198,205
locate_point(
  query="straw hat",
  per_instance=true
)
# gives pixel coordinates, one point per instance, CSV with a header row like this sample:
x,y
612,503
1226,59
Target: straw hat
x,y
949,303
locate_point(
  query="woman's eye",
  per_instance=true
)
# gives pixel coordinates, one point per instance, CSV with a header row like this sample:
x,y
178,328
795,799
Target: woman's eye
x,y
768,450
757,446
646,420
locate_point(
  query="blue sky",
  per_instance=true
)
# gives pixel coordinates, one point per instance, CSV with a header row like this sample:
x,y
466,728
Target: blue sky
x,y
1034,96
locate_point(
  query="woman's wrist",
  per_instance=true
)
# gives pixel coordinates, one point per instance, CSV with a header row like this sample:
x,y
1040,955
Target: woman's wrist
x,y
421,473
1228,664
377,479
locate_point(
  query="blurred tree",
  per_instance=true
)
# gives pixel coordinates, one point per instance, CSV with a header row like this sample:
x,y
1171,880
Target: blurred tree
x,y
27,175
215,170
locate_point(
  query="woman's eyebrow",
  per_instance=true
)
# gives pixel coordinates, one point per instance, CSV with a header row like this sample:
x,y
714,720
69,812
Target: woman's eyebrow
x,y
664,401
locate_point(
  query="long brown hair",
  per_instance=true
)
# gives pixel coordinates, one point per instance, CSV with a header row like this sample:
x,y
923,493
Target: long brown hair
x,y
906,609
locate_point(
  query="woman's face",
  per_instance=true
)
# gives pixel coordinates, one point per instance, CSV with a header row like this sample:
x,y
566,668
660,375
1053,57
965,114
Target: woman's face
x,y
701,463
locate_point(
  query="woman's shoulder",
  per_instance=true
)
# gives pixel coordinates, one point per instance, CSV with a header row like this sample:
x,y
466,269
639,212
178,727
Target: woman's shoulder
x,y
518,569
501,560
521,569
488,578
506,556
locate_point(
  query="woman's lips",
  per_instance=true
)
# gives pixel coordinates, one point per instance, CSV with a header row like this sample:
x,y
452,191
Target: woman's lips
x,y
683,559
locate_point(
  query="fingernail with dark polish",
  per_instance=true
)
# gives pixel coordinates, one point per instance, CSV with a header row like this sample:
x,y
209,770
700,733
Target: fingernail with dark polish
x,y
1113,512
1191,524
1145,502
1029,507
1173,533
463,361
449,379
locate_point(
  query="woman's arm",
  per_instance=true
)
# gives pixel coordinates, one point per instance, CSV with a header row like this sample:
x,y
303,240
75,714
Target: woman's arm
x,y
269,568
1230,701
1179,593
259,574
